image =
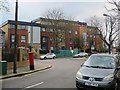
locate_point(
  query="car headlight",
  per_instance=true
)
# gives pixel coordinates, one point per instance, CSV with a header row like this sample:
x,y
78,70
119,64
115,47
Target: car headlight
x,y
109,77
79,75
42,56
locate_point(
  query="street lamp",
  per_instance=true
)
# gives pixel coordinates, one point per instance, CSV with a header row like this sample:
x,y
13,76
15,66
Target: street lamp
x,y
111,27
105,15
109,17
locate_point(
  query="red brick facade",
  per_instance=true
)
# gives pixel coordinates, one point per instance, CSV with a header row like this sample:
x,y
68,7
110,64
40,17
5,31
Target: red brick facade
x,y
92,40
20,33
77,36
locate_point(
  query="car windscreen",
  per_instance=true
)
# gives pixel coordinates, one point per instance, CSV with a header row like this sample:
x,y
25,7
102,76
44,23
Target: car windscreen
x,y
105,62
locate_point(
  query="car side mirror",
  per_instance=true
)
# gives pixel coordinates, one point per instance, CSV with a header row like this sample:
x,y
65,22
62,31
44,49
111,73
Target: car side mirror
x,y
82,64
118,68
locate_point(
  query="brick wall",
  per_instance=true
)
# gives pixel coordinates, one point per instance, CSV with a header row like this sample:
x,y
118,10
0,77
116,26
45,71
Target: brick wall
x,y
20,33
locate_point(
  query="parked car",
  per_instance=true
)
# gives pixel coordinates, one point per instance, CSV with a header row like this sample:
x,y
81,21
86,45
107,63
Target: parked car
x,y
99,71
48,56
81,54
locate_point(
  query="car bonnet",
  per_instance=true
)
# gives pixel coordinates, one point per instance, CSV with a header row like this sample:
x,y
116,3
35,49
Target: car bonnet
x,y
96,72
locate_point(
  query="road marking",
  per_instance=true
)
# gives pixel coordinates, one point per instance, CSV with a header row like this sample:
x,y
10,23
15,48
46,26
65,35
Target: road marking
x,y
32,86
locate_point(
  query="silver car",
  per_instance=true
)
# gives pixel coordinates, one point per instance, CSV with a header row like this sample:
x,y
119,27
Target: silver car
x,y
48,56
81,54
99,71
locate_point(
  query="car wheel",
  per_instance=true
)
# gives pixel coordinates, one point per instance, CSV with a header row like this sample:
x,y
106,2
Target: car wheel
x,y
77,87
45,58
53,57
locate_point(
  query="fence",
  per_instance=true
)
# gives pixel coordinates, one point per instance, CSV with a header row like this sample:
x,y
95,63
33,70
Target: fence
x,y
8,54
65,53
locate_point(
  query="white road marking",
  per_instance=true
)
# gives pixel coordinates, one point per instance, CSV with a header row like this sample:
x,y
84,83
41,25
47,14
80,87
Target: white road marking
x,y
32,85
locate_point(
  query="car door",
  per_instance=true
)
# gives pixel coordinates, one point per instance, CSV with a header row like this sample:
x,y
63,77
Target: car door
x,y
118,65
50,55
119,70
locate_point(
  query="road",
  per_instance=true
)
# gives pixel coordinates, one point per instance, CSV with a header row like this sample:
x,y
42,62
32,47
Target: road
x,y
61,75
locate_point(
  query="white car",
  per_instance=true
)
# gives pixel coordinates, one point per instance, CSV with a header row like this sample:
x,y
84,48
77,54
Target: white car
x,y
48,56
81,54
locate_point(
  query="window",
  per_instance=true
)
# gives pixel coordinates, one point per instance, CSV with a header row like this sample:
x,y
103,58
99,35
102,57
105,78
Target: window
x,y
23,38
76,32
12,26
89,29
101,61
87,44
51,30
43,29
51,40
70,48
12,38
44,40
60,40
70,31
90,36
51,48
59,30
87,35
70,41
23,27
94,43
44,48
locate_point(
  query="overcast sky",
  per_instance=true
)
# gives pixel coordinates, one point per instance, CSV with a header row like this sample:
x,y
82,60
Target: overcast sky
x,y
29,10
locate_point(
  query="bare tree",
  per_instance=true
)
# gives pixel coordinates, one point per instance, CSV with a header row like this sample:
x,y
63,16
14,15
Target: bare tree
x,y
109,34
56,20
116,10
4,5
115,6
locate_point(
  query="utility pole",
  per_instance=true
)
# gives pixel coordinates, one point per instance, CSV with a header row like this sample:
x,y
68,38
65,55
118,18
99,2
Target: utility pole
x,y
16,38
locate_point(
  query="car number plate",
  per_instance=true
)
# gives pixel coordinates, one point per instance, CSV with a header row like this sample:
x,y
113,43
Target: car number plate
x,y
91,84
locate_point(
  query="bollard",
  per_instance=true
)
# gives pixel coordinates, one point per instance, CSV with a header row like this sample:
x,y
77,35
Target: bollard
x,y
31,60
3,67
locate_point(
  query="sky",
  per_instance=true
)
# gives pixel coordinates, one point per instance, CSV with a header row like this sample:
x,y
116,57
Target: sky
x,y
29,10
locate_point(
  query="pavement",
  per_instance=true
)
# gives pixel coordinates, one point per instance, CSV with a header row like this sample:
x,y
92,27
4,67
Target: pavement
x,y
38,66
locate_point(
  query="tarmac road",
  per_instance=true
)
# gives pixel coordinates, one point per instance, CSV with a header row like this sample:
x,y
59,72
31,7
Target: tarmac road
x,y
60,76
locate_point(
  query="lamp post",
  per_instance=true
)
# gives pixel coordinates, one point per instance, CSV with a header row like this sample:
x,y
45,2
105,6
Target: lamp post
x,y
15,42
110,37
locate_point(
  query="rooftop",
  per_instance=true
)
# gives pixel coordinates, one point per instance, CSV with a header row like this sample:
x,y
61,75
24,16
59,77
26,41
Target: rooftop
x,y
20,23
67,21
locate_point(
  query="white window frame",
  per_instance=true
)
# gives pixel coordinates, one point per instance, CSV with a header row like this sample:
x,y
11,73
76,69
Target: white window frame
x,y
23,39
51,30
44,40
12,26
70,31
43,29
23,27
12,38
76,32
